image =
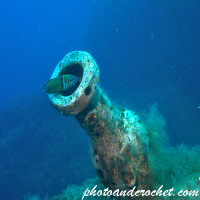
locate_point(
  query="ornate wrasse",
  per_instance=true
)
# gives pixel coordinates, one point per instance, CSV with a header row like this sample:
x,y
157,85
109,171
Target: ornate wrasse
x,y
60,83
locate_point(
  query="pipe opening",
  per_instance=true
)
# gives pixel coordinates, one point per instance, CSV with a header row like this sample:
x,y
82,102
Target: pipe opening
x,y
76,70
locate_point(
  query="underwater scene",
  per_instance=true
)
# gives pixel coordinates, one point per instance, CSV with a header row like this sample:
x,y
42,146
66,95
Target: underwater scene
x,y
100,99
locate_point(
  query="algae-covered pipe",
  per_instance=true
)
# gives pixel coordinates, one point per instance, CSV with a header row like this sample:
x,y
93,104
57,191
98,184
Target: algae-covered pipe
x,y
119,142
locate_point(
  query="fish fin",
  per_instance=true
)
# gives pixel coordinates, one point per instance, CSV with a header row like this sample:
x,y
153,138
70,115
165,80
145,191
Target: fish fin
x,y
47,82
45,85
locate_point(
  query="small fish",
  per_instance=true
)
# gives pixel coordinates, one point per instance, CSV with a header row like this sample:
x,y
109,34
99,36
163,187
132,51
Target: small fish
x,y
60,83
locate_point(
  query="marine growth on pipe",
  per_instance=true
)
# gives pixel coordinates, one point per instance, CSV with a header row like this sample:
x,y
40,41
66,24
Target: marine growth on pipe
x,y
119,142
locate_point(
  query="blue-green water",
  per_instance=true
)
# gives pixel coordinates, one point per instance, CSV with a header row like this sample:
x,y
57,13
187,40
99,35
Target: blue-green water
x,y
147,52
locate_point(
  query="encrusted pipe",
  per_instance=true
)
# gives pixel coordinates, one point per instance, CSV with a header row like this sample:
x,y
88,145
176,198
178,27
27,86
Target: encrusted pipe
x,y
119,142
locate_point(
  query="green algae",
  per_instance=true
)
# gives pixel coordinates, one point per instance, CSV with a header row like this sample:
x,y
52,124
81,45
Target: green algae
x,y
172,167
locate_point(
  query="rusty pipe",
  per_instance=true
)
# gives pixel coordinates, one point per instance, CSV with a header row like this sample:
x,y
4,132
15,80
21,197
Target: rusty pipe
x,y
119,142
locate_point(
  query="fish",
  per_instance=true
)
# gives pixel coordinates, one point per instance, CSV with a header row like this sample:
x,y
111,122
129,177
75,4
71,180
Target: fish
x,y
61,83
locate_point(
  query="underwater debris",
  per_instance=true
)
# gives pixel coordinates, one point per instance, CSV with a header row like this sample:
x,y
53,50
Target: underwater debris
x,y
125,153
